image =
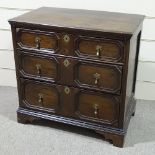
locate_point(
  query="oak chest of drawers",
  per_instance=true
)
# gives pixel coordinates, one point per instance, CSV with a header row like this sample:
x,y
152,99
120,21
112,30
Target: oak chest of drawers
x,y
77,67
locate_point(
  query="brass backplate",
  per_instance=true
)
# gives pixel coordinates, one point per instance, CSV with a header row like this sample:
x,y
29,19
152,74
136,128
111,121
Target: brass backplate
x,y
66,38
66,63
67,90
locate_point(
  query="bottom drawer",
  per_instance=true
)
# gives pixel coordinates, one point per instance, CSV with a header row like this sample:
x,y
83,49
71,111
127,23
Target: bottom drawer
x,y
38,95
71,102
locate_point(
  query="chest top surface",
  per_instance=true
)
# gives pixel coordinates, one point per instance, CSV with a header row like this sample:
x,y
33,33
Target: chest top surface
x,y
82,19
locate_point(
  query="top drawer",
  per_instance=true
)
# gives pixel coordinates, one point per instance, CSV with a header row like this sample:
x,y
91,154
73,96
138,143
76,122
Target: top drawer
x,y
61,43
28,39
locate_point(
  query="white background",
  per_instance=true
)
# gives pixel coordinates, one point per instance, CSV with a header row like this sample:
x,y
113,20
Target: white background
x,y
145,87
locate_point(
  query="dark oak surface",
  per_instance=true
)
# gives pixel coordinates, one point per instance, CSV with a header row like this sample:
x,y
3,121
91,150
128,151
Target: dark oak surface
x,y
41,96
39,67
97,76
102,77
37,39
99,108
109,49
83,19
77,67
88,47
86,105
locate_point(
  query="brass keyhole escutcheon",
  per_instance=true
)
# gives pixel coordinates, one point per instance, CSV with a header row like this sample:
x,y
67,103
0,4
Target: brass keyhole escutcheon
x,y
66,63
66,38
67,90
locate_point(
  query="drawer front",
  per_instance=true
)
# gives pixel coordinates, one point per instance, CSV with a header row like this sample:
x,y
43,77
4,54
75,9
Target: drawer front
x,y
61,43
38,66
98,107
99,49
72,72
70,101
100,77
40,96
37,40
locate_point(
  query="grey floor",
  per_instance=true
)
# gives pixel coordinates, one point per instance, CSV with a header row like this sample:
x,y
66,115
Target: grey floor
x,y
39,139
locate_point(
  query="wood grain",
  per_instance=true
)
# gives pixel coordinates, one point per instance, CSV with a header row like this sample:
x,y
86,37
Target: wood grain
x,y
73,98
100,20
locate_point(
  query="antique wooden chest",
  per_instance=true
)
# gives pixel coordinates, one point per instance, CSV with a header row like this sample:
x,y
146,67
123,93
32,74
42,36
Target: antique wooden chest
x,y
77,67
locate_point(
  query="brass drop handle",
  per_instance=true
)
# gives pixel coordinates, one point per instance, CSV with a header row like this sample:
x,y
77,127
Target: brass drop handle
x,y
97,77
40,98
38,67
37,41
98,50
96,109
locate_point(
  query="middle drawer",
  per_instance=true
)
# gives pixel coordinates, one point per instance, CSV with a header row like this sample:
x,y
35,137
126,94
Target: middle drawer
x,y
72,72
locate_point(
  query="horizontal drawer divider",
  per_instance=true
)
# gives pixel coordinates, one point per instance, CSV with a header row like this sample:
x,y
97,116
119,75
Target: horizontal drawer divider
x,y
55,83
48,54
